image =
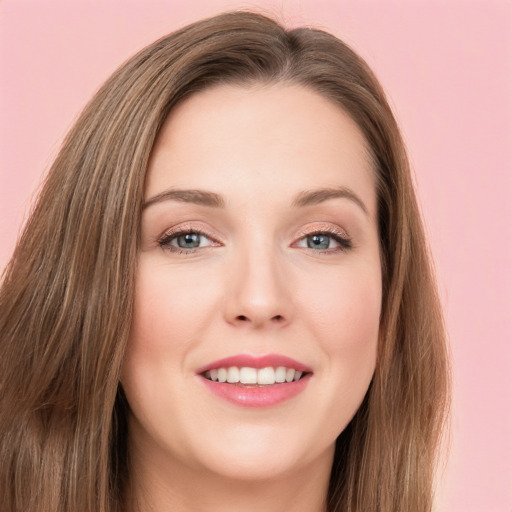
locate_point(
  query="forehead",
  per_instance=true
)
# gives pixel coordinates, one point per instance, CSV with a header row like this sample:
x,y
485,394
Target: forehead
x,y
246,138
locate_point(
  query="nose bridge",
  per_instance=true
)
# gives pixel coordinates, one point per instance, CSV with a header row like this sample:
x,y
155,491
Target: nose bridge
x,y
258,292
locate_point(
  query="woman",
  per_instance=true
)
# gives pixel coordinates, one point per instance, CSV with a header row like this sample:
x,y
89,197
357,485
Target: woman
x,y
223,297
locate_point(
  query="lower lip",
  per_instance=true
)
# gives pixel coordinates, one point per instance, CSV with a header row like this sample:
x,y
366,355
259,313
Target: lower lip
x,y
257,396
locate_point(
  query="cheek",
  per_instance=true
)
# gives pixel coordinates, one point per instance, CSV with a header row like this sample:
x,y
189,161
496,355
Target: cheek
x,y
170,307
160,333
345,307
172,312
345,319
168,323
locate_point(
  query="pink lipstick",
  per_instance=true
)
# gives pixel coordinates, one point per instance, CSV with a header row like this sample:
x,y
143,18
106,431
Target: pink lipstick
x,y
255,381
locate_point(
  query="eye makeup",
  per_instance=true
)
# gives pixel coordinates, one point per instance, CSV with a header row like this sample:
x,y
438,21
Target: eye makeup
x,y
339,236
190,239
187,234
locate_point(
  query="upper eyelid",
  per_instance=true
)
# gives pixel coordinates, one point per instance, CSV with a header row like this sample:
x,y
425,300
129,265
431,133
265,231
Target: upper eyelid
x,y
324,229
183,229
202,231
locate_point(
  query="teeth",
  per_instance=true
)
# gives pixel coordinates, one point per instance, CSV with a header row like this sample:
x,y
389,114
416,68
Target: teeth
x,y
266,376
222,374
246,375
233,375
280,374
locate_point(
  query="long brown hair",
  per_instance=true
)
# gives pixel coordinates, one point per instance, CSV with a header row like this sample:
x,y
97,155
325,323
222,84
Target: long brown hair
x,y
67,295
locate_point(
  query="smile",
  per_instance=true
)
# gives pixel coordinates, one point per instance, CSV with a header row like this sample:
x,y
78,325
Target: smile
x,y
267,376
256,381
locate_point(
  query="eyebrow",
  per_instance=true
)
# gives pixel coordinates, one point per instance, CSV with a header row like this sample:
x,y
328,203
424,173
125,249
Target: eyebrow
x,y
201,197
311,197
214,200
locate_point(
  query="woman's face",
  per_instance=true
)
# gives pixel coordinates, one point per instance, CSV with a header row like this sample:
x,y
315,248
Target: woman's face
x,y
259,251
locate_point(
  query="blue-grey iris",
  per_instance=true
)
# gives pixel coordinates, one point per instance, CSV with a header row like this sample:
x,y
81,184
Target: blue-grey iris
x,y
189,240
318,241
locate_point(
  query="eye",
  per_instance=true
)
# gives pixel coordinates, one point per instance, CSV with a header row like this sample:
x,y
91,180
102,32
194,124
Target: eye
x,y
186,240
325,241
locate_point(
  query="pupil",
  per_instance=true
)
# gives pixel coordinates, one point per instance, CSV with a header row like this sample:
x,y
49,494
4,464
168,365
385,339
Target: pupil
x,y
189,240
318,242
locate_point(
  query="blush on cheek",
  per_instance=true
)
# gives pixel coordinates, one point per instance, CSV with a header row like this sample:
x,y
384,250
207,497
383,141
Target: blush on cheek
x,y
347,307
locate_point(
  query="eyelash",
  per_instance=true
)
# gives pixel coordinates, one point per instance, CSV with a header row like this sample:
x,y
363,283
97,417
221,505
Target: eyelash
x,y
345,243
165,241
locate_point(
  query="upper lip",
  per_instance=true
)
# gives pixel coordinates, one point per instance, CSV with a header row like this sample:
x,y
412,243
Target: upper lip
x,y
251,361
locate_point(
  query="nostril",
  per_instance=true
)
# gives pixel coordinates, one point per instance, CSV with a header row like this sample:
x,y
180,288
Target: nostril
x,y
243,318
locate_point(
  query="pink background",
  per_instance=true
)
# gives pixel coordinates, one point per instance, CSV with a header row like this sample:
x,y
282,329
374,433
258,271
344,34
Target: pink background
x,y
447,68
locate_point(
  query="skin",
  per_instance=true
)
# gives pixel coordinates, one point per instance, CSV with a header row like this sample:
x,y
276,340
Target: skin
x,y
253,286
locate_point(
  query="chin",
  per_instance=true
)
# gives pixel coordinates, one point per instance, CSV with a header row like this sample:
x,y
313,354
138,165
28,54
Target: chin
x,y
259,454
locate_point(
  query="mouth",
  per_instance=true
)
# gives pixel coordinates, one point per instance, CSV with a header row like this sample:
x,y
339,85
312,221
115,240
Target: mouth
x,y
256,381
254,377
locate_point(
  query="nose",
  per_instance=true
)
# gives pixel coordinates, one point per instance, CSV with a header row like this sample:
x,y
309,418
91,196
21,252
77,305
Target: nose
x,y
259,295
